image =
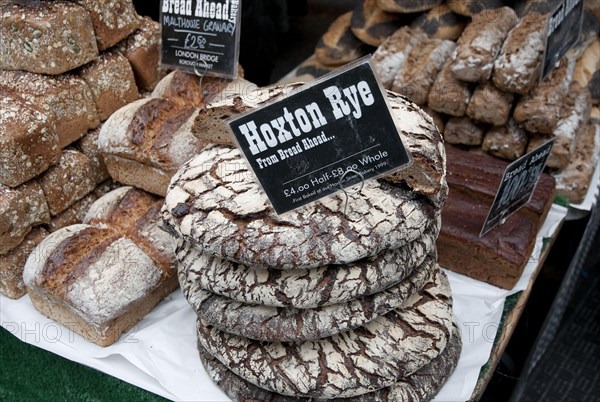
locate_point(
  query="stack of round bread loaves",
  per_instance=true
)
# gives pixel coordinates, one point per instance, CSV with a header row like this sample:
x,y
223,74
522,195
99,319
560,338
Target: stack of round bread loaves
x,y
324,301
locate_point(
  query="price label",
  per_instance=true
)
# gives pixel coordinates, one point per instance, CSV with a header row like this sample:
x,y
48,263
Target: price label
x,y
330,135
564,28
201,36
517,186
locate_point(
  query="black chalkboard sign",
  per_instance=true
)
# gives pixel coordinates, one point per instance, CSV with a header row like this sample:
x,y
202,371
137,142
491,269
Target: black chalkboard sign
x,y
200,36
517,185
564,28
331,134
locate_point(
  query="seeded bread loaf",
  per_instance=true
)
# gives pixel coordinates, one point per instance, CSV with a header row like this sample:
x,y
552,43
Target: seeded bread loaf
x,y
145,142
490,105
67,100
141,48
12,263
339,45
480,43
28,141
113,20
422,66
47,37
88,145
390,57
112,82
72,178
507,142
21,208
518,66
449,95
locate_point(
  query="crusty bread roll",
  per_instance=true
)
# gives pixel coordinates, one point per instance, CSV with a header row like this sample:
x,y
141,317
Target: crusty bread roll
x,y
441,22
28,142
418,74
21,208
390,57
449,95
66,99
112,82
480,43
463,130
145,142
142,49
372,25
588,64
490,105
113,20
339,45
12,263
518,66
507,142
48,37
408,6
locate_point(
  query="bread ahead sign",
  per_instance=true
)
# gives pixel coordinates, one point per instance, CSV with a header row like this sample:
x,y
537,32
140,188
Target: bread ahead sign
x,y
332,134
201,36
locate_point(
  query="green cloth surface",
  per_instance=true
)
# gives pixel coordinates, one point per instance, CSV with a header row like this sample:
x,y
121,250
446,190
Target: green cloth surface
x,y
28,373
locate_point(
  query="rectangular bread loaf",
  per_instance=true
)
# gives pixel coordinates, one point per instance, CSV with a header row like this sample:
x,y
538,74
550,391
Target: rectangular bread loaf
x,y
506,142
112,82
449,95
47,37
28,142
490,105
21,208
66,99
463,130
113,20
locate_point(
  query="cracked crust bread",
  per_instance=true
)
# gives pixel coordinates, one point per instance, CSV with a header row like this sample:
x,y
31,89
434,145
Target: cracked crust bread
x,y
352,363
291,324
302,288
421,385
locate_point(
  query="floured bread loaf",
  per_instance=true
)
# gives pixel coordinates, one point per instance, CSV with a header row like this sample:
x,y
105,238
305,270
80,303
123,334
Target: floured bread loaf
x,y
72,275
518,66
66,99
339,45
12,263
28,142
422,66
372,25
343,365
540,110
449,95
507,142
21,208
145,142
480,43
407,6
574,181
463,130
290,324
421,385
440,22
48,37
247,230
390,57
490,105
302,288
